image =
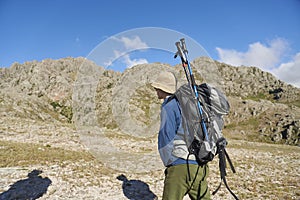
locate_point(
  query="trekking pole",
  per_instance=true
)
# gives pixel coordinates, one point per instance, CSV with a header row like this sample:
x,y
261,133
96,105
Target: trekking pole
x,y
182,52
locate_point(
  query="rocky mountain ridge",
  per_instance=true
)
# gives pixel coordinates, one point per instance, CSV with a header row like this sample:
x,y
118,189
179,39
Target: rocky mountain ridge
x,y
74,90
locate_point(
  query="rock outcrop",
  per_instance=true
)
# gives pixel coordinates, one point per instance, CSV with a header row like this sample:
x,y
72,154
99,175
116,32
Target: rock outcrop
x,y
75,90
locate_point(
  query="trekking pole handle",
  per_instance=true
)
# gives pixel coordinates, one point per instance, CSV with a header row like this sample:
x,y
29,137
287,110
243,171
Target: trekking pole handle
x,y
183,45
180,52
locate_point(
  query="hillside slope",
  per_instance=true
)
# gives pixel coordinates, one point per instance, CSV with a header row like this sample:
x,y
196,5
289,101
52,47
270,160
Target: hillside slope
x,y
72,89
83,128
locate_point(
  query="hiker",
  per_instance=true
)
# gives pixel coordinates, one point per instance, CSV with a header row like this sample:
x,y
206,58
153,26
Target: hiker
x,y
182,176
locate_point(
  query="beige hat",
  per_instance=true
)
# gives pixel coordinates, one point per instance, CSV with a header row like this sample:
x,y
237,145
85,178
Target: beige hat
x,y
165,81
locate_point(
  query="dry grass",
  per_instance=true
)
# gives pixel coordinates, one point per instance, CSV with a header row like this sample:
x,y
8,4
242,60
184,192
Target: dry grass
x,y
25,154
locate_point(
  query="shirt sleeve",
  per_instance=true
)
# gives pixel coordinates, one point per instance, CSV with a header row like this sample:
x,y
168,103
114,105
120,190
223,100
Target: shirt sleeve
x,y
169,124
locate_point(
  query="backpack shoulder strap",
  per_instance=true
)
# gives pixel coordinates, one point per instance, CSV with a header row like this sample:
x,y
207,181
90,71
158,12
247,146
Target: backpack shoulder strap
x,y
173,96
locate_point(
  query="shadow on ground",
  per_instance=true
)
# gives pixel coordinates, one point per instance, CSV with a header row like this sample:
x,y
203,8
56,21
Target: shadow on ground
x,y
31,188
136,189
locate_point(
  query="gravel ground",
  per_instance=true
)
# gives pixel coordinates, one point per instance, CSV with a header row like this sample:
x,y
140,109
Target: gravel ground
x,y
264,171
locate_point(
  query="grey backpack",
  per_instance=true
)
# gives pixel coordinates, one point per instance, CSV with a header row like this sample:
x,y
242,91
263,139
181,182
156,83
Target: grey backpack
x,y
214,106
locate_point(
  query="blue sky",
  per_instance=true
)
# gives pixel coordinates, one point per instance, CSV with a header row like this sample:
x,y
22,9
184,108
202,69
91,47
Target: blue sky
x,y
262,33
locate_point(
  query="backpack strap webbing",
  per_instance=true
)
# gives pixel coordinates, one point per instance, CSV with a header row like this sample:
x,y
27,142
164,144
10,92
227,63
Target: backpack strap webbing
x,y
223,155
173,96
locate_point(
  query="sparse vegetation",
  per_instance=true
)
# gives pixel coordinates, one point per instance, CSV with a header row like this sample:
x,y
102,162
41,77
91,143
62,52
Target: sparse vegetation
x,y
259,97
143,98
26,154
63,110
295,103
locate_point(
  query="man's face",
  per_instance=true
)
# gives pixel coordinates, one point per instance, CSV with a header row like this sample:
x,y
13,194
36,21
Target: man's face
x,y
160,94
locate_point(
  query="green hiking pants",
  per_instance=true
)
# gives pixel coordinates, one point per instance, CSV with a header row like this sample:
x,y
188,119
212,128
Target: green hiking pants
x,y
184,179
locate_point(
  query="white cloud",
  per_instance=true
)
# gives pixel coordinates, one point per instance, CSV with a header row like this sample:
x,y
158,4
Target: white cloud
x,y
131,62
124,47
125,57
134,43
116,55
289,72
266,57
259,55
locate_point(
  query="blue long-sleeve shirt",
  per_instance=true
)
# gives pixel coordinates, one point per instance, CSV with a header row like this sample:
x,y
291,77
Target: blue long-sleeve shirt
x,y
170,130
